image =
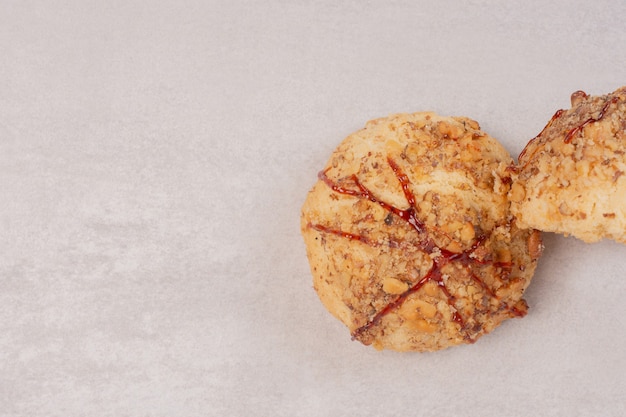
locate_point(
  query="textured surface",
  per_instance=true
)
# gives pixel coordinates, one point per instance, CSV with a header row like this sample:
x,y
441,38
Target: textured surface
x,y
570,177
153,162
409,235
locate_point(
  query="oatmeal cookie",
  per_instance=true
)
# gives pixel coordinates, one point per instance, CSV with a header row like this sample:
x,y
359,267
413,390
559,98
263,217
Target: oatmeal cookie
x,y
409,236
570,178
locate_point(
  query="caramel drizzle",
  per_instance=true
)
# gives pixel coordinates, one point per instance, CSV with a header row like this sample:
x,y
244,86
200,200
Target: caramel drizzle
x,y
427,245
407,215
556,115
343,234
569,136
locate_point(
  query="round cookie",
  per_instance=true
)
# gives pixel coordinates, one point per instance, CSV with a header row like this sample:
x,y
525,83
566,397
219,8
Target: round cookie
x,y
570,177
409,236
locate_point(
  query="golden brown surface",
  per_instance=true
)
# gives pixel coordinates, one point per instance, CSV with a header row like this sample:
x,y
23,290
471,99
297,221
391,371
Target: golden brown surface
x,y
409,235
570,177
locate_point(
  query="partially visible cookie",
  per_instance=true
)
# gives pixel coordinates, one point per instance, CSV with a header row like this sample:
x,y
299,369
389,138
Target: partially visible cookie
x,y
570,177
409,236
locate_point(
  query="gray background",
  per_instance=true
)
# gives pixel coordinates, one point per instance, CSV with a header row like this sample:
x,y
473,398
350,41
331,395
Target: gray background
x,y
153,160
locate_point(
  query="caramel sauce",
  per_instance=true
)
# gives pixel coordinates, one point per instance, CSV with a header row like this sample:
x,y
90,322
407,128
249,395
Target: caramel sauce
x,y
570,135
407,215
346,235
425,243
556,115
576,98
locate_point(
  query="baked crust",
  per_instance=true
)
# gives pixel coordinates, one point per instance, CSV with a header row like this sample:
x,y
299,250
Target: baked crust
x,y
409,235
570,177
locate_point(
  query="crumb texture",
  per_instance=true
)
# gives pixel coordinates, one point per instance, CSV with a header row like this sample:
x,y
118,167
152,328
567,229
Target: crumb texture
x,y
410,238
570,178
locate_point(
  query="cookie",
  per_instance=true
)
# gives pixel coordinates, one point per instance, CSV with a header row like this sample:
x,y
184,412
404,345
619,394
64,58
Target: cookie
x,y
409,235
570,178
